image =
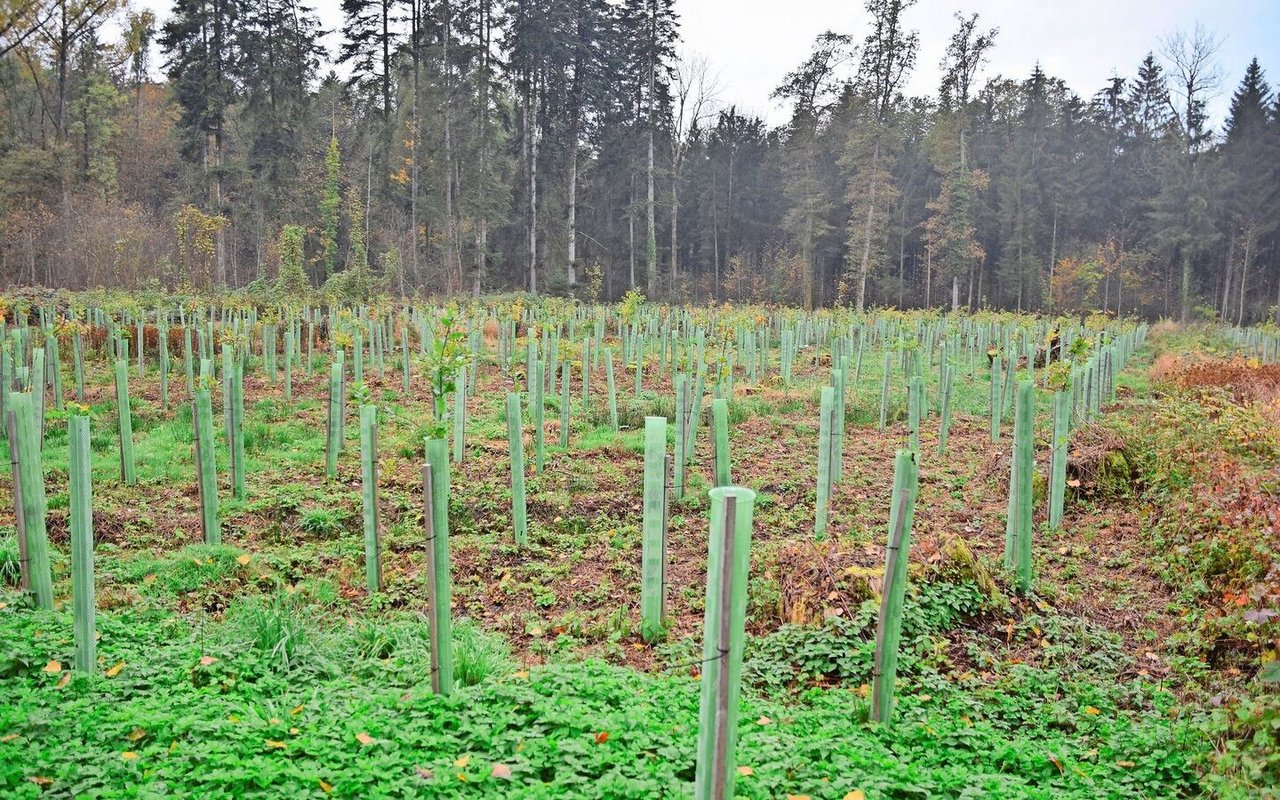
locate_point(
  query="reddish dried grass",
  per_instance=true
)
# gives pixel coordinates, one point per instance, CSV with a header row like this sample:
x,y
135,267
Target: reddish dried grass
x,y
1250,383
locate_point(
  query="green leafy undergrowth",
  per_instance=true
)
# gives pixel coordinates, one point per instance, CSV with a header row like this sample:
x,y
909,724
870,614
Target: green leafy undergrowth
x,y
209,711
843,649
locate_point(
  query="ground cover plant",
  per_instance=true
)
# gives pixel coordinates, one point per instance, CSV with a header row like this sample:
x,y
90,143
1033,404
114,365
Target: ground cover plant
x,y
1070,589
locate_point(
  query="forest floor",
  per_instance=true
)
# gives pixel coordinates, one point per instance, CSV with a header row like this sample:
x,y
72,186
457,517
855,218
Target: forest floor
x,y
263,668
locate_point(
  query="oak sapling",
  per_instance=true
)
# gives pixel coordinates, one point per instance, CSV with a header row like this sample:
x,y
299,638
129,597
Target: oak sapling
x,y
445,358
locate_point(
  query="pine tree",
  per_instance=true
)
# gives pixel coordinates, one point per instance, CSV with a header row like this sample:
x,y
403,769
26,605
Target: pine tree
x,y
812,88
370,41
1250,195
888,56
198,40
950,230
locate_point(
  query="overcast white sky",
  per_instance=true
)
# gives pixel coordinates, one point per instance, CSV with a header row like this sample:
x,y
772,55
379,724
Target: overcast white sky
x,y
751,44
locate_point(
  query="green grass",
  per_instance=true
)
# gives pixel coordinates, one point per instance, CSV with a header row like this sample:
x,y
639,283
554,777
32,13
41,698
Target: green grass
x,y
280,703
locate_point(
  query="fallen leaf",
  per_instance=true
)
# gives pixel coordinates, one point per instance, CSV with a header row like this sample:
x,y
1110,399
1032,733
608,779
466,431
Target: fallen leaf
x,y
364,738
764,721
799,797
207,660
9,737
461,763
244,559
40,780
1074,483
136,734
856,794
114,671
66,678
295,711
1091,710
53,666
326,787
276,744
602,737
501,771
1125,764
128,755
424,773
745,770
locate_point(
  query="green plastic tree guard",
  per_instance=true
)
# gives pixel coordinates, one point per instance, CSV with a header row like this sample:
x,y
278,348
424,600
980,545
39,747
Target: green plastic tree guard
x,y
333,430
539,418
945,425
459,415
435,477
654,544
81,513
1026,466
724,623
613,392
915,401
720,439
1058,459
125,423
906,472
206,463
516,436
237,430
25,433
826,411
369,496
565,400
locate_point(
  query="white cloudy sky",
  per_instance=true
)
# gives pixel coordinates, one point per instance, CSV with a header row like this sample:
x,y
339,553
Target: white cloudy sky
x,y
754,42
751,44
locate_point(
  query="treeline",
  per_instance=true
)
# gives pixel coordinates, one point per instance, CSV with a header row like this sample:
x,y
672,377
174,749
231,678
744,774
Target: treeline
x,y
563,146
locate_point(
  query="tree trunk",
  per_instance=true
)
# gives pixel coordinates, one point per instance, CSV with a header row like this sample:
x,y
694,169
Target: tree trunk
x,y
220,238
1244,273
902,255
675,213
865,266
413,153
631,231
386,60
573,202
1053,254
531,147
453,258
1225,309
651,244
482,221
1184,292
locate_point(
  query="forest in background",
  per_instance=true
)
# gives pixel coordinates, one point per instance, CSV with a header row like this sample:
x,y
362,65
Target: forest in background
x,y
470,146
